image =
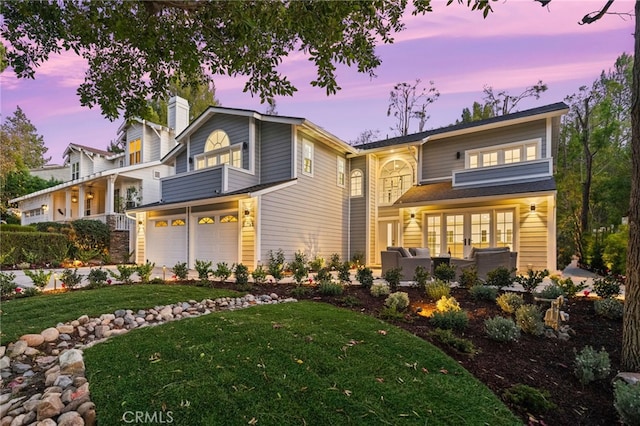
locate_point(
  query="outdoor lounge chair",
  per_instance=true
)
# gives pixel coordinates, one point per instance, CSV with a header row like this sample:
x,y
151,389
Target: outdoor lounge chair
x,y
487,259
400,257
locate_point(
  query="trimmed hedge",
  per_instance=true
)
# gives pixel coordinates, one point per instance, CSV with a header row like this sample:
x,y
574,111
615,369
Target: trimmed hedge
x,y
16,228
44,246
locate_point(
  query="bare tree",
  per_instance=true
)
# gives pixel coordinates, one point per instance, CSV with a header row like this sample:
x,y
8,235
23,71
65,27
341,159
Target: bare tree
x,y
408,101
502,103
366,136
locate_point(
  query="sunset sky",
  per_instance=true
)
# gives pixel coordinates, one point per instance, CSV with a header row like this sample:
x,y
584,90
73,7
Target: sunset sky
x,y
517,45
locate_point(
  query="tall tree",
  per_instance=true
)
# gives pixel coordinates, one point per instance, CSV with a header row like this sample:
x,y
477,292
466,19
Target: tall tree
x,y
134,47
408,101
478,112
200,96
21,144
502,103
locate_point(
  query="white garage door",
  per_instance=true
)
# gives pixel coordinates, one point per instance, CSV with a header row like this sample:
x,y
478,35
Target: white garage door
x,y
167,241
216,237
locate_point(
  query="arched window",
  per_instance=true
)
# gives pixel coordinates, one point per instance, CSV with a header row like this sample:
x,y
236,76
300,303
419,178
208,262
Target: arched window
x,y
356,183
396,178
218,150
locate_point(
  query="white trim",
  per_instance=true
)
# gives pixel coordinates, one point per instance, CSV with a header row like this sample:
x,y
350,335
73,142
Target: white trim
x,y
308,143
500,151
294,151
552,248
548,137
257,227
362,185
251,143
341,161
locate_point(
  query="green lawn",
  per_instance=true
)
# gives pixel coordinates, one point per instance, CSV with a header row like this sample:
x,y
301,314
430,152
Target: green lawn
x,y
287,364
34,314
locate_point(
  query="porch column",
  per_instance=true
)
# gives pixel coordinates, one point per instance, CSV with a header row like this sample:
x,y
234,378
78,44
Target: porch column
x,y
81,202
108,197
67,204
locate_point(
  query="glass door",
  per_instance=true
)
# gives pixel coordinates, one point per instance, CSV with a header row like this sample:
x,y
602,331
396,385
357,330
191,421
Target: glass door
x,y
454,230
388,235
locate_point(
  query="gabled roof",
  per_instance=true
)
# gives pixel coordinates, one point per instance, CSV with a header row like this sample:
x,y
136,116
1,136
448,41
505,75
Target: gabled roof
x,y
297,121
443,191
88,149
551,110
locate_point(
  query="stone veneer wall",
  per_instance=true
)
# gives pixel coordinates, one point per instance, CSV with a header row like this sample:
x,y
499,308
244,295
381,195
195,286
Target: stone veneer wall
x,y
119,242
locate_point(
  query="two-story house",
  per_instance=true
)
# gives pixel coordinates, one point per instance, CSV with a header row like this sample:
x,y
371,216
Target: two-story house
x,y
101,185
246,183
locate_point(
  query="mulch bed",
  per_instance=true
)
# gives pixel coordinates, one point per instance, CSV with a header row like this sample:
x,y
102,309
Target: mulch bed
x,y
540,362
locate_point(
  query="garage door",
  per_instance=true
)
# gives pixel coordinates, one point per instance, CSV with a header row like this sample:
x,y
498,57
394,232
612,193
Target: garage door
x,y
167,241
216,237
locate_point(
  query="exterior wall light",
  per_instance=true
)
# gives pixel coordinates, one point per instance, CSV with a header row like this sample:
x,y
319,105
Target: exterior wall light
x,y
532,207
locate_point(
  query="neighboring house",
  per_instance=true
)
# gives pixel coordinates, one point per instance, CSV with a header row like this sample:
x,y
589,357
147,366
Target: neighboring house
x,y
101,185
247,183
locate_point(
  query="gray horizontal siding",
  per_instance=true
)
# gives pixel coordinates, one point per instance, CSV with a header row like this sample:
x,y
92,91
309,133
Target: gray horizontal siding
x,y
181,163
358,211
439,157
237,128
201,184
511,173
310,216
239,180
275,152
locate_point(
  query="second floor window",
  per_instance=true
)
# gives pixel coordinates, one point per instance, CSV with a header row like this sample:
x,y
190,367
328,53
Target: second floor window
x,y
396,177
218,150
341,172
356,183
75,171
494,156
135,152
307,158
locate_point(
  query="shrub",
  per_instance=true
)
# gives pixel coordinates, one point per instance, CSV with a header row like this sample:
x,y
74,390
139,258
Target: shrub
x,y
350,301
276,264
391,314
97,277
447,304
300,291
421,276
27,292
591,365
39,277
398,301
469,277
451,320
448,338
124,273
626,397
144,271
501,329
180,270
316,263
609,308
500,277
299,267
329,288
380,289
334,262
357,259
529,319
569,288
551,292
7,286
71,278
445,272
324,275
259,275
393,276
606,287
615,250
435,290
39,246
365,277
344,272
483,292
531,280
510,302
223,271
90,235
203,268
533,400
242,276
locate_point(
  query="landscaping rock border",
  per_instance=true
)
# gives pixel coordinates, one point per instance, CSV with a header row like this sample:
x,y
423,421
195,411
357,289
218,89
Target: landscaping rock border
x,y
43,375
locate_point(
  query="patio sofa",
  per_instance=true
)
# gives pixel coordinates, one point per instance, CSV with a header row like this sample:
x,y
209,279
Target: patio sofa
x,y
487,259
407,259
